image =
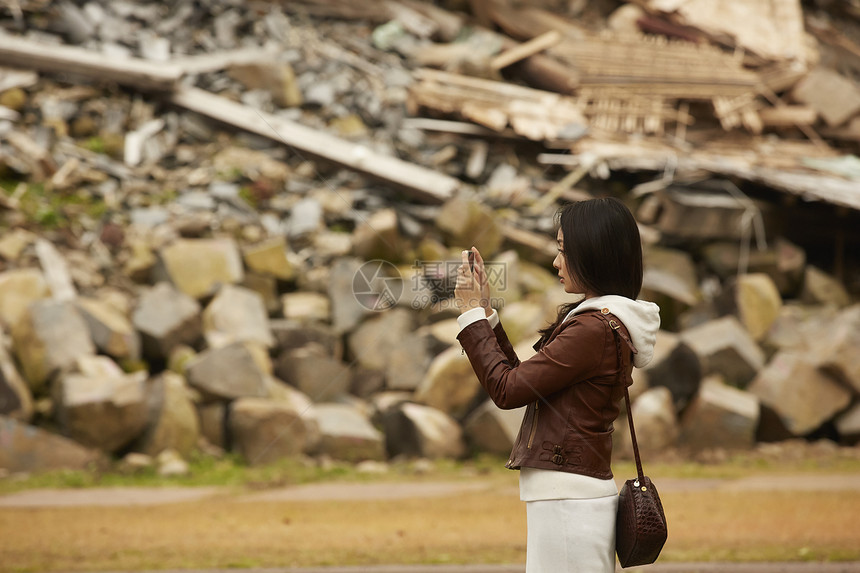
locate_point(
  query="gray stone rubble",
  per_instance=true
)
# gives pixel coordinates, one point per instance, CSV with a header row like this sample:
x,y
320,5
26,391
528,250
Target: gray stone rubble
x,y
169,283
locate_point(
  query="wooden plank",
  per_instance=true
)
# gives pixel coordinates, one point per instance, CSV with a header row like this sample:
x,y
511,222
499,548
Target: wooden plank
x,y
525,50
750,167
788,116
499,90
143,74
423,184
458,127
203,63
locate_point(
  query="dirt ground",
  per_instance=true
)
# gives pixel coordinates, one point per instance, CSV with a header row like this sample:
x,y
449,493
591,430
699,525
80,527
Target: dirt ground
x,y
220,526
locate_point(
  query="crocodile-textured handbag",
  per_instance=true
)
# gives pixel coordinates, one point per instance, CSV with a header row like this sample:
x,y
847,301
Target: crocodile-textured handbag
x,y
640,529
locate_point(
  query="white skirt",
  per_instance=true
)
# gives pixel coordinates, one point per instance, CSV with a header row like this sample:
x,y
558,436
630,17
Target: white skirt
x,y
571,535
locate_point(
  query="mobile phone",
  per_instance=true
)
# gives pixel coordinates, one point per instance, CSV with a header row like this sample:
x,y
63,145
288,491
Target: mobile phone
x,y
472,261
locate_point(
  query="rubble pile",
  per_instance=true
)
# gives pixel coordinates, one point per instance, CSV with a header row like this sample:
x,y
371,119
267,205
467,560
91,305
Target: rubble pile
x,y
235,226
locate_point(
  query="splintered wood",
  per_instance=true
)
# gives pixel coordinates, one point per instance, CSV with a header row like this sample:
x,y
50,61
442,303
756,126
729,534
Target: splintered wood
x,y
645,66
630,115
534,114
627,85
633,85
636,83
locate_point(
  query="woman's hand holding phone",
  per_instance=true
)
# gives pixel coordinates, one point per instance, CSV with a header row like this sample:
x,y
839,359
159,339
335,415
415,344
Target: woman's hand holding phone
x,y
473,286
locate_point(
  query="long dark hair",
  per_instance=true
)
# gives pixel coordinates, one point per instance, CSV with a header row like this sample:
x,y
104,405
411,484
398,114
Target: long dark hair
x,y
602,250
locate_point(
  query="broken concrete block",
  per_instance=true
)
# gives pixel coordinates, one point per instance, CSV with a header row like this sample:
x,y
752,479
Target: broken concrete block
x,y
491,429
689,213
231,371
798,326
270,258
378,237
304,306
725,347
347,434
670,279
50,336
100,406
18,288
295,334
847,424
835,97
265,286
802,395
720,416
754,299
822,288
835,349
16,401
166,318
198,267
450,384
413,430
388,343
172,422
30,449
263,430
213,417
15,241
655,420
236,314
346,311
111,331
306,219
314,372
675,366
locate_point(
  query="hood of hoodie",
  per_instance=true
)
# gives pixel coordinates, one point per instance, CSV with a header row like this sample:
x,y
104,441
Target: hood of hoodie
x,y
641,317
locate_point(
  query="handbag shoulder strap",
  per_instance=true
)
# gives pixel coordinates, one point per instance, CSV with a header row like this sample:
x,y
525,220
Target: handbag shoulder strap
x,y
619,336
633,435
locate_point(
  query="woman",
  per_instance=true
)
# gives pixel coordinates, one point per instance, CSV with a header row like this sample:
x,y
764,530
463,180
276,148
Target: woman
x,y
572,386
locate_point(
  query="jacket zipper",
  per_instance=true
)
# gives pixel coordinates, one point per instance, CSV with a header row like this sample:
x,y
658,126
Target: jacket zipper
x,y
534,426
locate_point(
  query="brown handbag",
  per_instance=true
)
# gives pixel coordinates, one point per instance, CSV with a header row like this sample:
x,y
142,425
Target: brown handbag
x,y
640,528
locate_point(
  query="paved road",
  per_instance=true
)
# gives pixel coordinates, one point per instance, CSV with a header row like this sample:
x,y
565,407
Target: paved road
x,y
108,496
853,567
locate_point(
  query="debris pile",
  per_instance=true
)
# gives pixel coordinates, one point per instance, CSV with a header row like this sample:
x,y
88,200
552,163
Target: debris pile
x,y
235,227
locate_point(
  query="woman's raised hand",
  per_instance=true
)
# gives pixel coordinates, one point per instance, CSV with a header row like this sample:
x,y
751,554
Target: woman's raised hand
x,y
483,281
473,286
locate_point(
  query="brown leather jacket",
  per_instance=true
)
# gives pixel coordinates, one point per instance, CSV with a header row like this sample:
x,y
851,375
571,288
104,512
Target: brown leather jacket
x,y
572,388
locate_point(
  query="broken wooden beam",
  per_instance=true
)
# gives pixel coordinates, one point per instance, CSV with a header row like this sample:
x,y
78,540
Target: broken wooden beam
x,y
526,49
788,116
455,127
423,184
212,62
534,114
21,53
774,167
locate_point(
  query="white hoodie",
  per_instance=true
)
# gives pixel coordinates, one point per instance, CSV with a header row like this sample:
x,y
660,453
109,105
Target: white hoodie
x,y
642,319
